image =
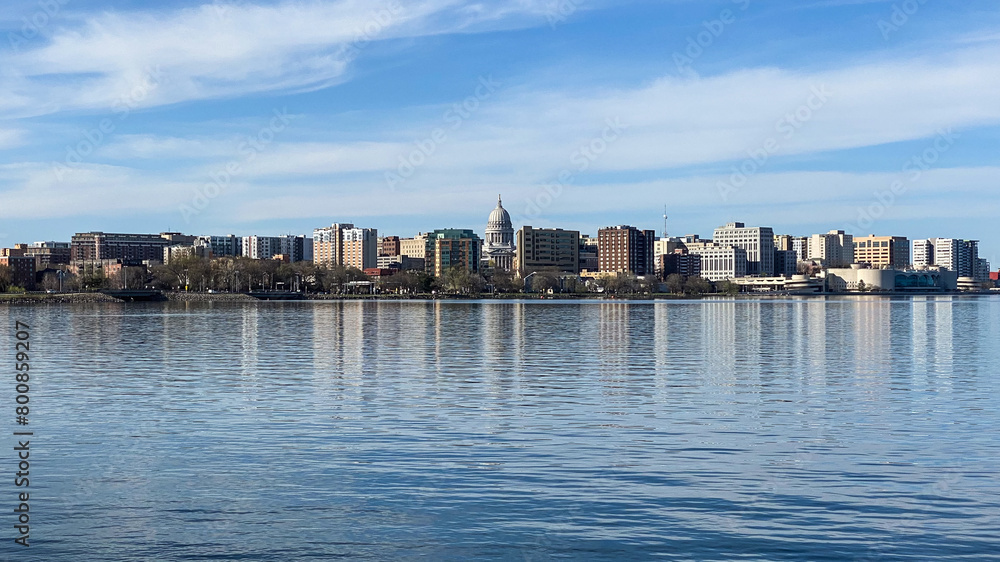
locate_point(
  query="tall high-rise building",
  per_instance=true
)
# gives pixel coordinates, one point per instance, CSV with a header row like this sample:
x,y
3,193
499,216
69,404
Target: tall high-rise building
x,y
547,249
415,247
721,263
961,256
835,248
982,271
923,253
360,248
784,242
757,241
968,259
786,263
449,247
626,249
800,245
589,252
221,246
261,247
679,263
665,246
883,252
295,248
498,247
328,245
389,246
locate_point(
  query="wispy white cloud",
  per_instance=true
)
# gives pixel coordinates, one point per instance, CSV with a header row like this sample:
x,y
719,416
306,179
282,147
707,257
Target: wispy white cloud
x,y
521,139
99,190
155,147
778,198
525,137
518,140
10,138
674,123
220,50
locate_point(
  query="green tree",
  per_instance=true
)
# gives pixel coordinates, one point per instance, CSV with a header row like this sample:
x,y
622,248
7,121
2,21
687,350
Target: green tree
x,y
459,280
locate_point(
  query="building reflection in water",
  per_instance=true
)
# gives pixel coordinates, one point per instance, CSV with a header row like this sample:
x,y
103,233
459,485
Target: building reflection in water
x,y
502,345
509,345
250,346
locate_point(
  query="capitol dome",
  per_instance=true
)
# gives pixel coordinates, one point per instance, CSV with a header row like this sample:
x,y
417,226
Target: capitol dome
x,y
499,247
499,218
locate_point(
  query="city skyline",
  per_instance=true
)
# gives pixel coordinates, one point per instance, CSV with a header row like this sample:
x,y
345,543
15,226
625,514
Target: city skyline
x,y
410,118
707,233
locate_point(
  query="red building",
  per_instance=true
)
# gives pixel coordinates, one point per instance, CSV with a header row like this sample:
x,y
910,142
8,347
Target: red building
x,y
376,273
391,246
625,249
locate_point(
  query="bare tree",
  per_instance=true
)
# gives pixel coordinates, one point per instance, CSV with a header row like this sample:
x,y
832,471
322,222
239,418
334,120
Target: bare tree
x,y
675,283
6,278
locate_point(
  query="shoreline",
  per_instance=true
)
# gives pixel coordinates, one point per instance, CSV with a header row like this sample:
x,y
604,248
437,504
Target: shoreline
x,y
180,296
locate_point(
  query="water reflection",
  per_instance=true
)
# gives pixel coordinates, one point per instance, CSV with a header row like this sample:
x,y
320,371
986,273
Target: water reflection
x,y
723,429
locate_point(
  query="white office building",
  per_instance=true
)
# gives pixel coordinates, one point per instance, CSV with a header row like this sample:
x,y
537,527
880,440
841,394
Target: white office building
x,y
961,256
758,242
835,249
721,263
296,248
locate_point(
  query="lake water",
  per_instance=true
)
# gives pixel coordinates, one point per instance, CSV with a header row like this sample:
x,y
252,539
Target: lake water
x,y
838,429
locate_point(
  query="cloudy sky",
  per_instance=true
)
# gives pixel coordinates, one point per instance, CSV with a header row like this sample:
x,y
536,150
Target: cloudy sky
x,y
255,117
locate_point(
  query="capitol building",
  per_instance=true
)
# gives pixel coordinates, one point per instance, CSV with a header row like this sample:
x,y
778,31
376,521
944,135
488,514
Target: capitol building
x,y
498,247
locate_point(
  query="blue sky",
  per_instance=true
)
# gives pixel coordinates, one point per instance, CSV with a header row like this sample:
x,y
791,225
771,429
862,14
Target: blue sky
x,y
279,117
